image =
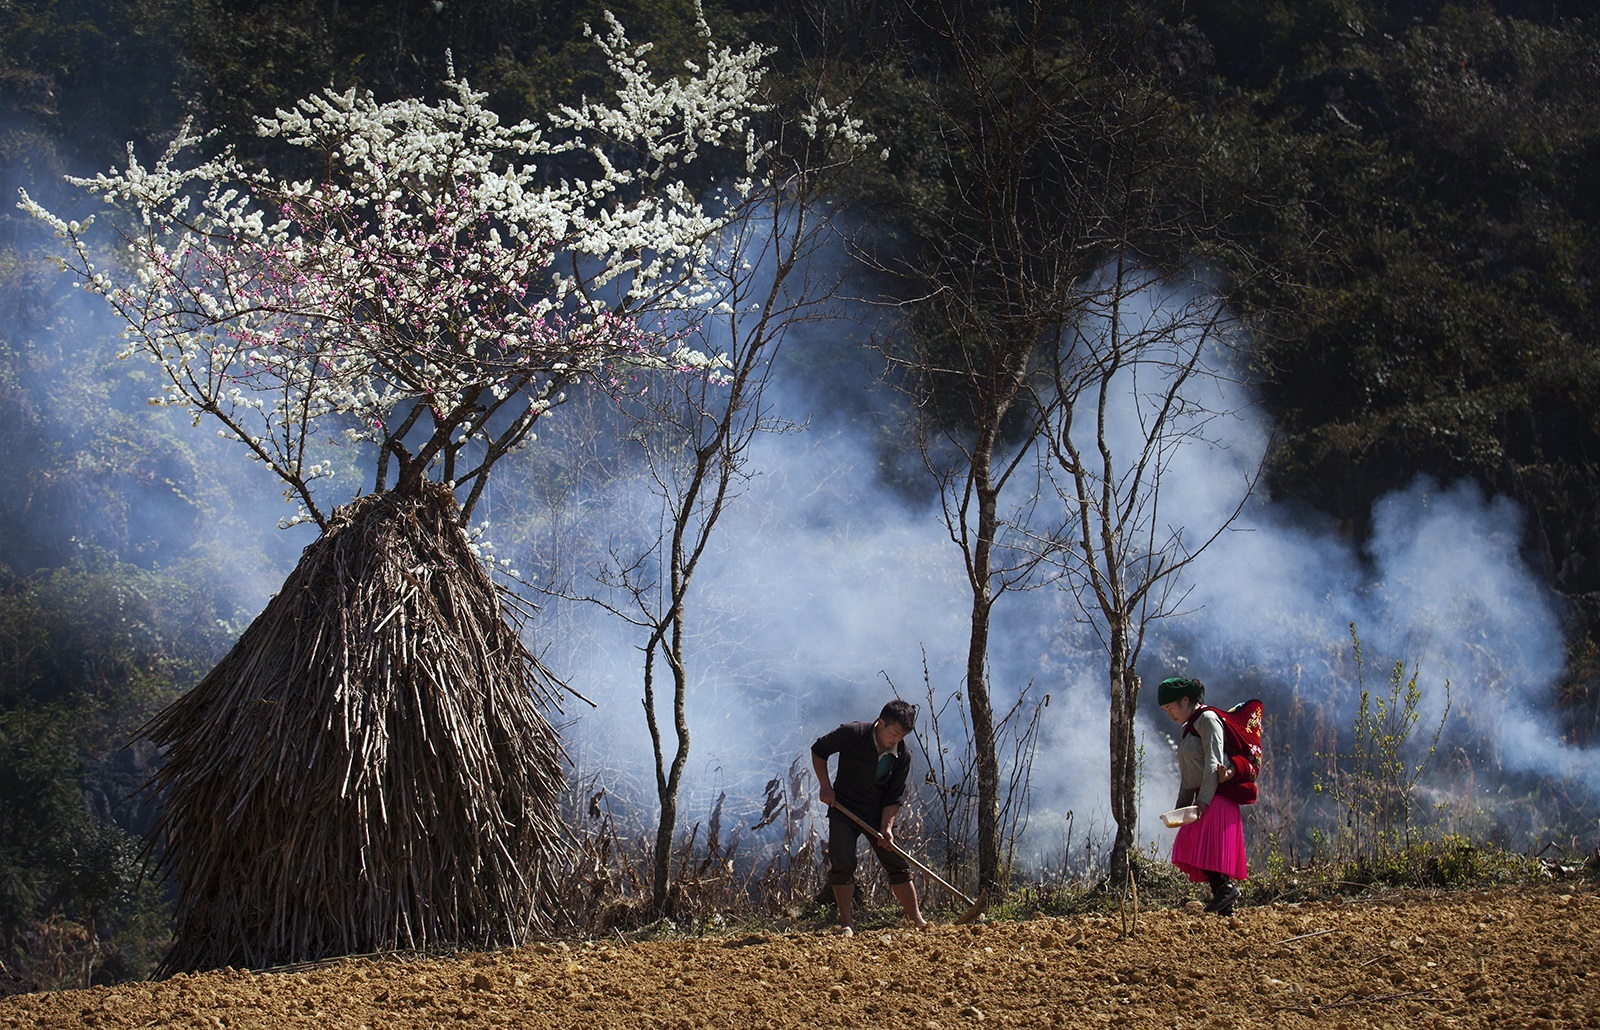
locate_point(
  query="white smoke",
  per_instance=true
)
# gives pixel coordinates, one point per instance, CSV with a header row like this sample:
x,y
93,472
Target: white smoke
x,y
829,585
832,586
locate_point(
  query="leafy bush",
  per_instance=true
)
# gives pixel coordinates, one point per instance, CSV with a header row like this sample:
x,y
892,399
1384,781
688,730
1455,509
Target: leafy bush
x,y
74,908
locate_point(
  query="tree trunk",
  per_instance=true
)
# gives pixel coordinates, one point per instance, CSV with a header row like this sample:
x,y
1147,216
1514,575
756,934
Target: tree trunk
x,y
670,778
978,701
983,744
662,879
1124,756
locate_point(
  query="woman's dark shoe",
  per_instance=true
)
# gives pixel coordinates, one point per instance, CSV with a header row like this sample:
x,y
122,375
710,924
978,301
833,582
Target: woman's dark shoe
x,y
1222,899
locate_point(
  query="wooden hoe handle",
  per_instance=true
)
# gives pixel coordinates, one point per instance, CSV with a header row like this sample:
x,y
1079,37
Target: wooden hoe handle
x,y
878,838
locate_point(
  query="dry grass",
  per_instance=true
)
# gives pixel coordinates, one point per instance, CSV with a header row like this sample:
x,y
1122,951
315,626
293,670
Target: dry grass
x,y
368,769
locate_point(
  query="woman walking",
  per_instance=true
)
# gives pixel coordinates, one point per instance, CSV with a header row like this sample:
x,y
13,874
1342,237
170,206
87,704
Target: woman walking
x,y
1210,849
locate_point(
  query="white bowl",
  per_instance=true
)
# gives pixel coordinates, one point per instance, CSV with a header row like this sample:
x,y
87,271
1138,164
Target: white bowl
x,y
1179,816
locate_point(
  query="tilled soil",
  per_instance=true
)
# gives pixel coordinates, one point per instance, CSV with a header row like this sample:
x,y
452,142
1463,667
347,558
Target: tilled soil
x,y
1512,958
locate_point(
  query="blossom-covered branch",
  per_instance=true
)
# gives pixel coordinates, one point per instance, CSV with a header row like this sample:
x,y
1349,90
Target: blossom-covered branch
x,y
436,291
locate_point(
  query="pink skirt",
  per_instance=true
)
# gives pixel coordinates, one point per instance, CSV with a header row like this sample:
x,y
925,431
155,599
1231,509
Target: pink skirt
x,y
1212,843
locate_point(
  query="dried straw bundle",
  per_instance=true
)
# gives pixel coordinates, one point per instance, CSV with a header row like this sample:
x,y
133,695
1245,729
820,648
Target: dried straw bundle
x,y
367,769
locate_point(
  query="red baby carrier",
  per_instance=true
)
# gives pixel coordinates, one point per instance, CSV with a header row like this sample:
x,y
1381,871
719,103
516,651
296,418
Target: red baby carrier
x,y
1241,747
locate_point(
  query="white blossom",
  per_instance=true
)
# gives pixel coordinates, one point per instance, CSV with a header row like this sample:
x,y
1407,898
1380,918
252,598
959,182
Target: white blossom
x,y
428,278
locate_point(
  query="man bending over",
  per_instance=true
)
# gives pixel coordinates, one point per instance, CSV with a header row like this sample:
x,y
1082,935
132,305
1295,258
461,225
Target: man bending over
x,y
871,782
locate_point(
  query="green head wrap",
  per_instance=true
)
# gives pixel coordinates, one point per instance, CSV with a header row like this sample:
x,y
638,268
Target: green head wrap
x,y
1175,687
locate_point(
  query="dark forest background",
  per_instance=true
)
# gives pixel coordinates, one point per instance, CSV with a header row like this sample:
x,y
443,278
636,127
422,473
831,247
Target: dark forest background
x,y
1424,186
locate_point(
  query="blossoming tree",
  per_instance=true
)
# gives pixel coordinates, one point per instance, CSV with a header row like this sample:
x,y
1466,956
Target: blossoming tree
x,y
437,288
368,768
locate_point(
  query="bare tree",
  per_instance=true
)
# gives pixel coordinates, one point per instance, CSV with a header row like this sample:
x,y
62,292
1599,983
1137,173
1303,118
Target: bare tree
x,y
1054,142
994,281
1130,390
690,440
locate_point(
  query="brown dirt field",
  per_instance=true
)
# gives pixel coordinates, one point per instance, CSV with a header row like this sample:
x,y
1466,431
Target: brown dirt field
x,y
1511,958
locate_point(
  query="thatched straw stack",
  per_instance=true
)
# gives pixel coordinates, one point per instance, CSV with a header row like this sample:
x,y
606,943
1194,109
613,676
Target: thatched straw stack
x,y
367,769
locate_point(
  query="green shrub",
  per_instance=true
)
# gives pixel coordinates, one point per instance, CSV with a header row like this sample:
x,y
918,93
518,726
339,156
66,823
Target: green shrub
x,y
1373,782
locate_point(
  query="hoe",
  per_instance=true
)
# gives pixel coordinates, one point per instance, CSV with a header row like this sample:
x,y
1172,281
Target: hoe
x,y
974,908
